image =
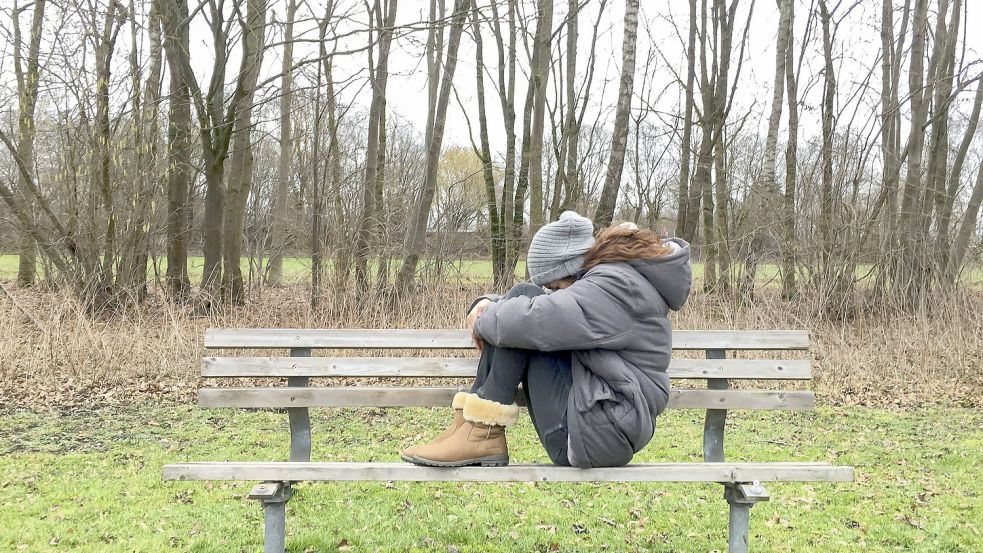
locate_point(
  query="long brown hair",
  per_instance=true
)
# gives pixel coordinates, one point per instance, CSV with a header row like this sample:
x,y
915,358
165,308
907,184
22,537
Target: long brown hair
x,y
624,243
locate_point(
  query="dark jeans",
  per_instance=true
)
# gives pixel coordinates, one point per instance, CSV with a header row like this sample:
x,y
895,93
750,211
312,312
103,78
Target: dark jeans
x,y
546,383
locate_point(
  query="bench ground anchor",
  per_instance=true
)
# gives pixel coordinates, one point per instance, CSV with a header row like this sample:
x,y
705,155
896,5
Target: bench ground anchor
x,y
274,497
741,498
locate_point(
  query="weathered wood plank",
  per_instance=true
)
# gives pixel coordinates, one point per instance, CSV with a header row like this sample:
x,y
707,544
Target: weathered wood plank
x,y
261,338
657,472
366,396
458,367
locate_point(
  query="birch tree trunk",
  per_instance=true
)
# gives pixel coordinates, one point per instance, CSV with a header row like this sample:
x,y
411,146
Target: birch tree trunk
x,y
612,183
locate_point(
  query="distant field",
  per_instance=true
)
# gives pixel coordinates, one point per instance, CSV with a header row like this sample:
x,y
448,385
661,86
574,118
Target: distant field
x,y
298,269
294,268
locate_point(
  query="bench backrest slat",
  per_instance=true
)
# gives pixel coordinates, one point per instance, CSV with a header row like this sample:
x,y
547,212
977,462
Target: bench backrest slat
x,y
465,367
459,339
364,396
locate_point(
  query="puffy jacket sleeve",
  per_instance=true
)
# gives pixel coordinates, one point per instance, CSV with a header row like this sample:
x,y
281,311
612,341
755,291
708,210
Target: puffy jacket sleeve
x,y
597,311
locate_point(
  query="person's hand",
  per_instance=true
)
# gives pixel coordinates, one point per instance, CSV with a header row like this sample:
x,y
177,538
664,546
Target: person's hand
x,y
472,318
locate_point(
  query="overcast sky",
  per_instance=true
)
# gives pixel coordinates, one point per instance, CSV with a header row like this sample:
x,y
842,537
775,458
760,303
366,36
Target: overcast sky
x,y
856,49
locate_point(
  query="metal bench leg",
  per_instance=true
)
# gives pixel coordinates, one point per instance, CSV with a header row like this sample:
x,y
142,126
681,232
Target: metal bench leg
x,y
274,497
741,498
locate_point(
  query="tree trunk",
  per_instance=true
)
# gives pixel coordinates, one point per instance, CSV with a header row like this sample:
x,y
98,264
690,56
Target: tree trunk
x,y
764,192
907,281
506,96
571,131
132,276
612,183
382,273
685,212
791,157
966,230
99,280
240,176
179,147
368,222
279,210
947,200
540,76
826,237
941,70
416,232
27,96
499,268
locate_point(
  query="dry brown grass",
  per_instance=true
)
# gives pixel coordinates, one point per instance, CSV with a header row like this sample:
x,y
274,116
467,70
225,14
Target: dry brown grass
x,y
155,351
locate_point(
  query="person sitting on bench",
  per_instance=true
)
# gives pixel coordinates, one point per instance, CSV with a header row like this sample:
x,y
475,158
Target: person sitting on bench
x,y
591,353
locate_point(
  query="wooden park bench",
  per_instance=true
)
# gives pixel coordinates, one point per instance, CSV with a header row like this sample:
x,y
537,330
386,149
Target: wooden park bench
x,y
741,481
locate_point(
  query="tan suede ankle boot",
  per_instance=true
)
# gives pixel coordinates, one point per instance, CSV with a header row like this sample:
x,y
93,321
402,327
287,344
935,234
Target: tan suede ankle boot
x,y
479,441
458,405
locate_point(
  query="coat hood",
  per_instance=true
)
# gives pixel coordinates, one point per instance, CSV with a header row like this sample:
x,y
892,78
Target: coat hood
x,y
671,274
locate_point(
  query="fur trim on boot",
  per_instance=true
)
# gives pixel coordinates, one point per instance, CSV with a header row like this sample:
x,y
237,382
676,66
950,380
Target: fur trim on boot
x,y
460,398
492,413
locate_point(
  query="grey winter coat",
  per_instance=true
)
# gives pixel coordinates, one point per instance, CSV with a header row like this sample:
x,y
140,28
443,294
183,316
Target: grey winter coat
x,y
614,321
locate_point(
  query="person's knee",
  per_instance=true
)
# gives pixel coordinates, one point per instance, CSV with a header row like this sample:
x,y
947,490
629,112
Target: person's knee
x,y
524,289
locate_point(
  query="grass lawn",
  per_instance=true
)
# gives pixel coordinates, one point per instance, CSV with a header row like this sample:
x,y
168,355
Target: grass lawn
x,y
294,268
90,481
299,269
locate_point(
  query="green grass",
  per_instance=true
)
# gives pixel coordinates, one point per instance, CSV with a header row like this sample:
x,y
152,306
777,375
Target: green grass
x,y
299,268
294,268
90,481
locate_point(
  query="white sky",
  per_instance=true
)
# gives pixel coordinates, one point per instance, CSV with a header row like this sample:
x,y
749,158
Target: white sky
x,y
856,48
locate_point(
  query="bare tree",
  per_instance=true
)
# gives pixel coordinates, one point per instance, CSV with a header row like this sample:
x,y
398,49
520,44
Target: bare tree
x,y
28,77
764,193
383,18
240,174
417,227
179,145
687,203
279,209
132,276
826,154
216,120
538,84
612,183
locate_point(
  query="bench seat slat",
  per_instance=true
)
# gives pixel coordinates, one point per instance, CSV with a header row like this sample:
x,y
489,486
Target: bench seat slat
x,y
465,367
655,472
366,396
280,338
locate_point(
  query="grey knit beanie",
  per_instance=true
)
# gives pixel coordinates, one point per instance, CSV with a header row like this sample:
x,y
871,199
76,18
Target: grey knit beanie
x,y
557,250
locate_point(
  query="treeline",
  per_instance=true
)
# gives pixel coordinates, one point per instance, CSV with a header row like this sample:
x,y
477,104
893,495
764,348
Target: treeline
x,y
237,128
